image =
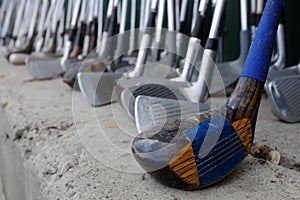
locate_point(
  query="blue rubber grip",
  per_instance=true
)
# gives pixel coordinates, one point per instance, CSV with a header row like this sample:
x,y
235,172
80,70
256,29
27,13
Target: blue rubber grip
x,y
260,53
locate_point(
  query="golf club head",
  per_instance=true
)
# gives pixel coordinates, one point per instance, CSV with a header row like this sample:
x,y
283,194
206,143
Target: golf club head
x,y
196,152
152,111
276,73
151,87
74,66
70,75
97,87
44,68
284,95
18,58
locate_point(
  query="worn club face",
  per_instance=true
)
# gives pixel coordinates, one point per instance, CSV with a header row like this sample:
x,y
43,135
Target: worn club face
x,y
197,152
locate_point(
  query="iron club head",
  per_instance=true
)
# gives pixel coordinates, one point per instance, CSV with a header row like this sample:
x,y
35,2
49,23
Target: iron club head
x,y
284,96
152,111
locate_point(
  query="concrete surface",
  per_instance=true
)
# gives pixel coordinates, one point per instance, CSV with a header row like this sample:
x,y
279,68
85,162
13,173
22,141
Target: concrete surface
x,y
54,146
2,197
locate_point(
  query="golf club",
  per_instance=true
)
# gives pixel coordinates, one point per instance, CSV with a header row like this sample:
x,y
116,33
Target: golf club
x,y
17,26
158,109
8,25
280,43
43,21
94,28
132,36
253,19
197,152
22,23
78,43
72,34
103,62
26,39
46,67
182,21
90,83
231,70
284,97
88,33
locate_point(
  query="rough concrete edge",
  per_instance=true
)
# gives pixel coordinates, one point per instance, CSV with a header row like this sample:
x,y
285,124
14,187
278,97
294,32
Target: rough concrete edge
x,y
2,195
14,165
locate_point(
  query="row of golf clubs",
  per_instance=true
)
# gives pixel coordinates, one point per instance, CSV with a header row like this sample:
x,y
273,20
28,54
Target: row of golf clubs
x,y
187,153
45,31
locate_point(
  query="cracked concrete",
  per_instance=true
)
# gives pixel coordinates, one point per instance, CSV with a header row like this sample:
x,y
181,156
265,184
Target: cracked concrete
x,y
54,146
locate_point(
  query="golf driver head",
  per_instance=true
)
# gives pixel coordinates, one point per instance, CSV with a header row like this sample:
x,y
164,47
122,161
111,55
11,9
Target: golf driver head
x,y
153,111
284,95
196,152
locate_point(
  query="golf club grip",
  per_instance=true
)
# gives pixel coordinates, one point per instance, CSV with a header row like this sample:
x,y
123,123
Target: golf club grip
x,y
260,53
198,29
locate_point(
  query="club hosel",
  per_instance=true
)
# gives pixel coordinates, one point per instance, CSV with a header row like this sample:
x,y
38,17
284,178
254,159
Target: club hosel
x,y
198,29
121,44
66,54
244,44
142,56
171,47
94,34
193,48
260,53
180,48
72,34
280,63
107,23
86,40
205,75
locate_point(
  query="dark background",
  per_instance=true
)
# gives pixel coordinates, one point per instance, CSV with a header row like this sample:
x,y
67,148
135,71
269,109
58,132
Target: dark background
x,y
292,31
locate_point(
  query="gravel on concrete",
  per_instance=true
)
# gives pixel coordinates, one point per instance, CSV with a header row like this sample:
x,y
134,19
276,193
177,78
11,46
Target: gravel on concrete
x,y
53,145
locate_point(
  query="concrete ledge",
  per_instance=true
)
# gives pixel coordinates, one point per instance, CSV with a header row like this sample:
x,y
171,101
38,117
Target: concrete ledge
x,y
50,149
